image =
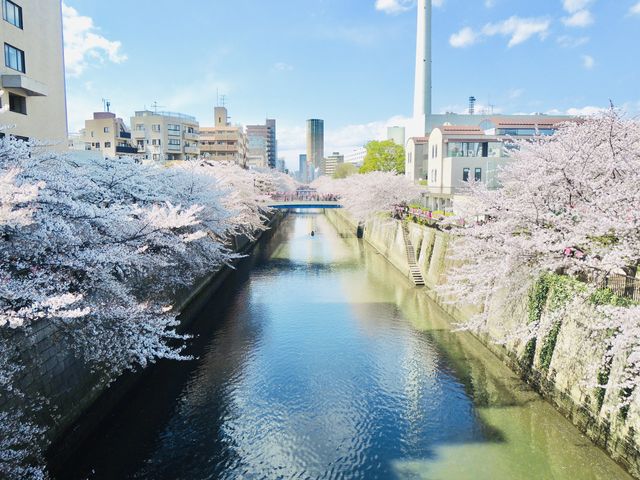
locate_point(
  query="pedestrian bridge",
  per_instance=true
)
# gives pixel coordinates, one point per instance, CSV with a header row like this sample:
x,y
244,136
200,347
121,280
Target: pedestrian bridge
x,y
292,201
304,204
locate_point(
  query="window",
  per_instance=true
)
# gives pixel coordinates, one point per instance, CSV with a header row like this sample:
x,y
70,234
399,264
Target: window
x,y
106,129
155,128
14,58
174,142
97,144
174,129
465,174
139,127
17,103
478,175
12,13
107,144
140,144
156,142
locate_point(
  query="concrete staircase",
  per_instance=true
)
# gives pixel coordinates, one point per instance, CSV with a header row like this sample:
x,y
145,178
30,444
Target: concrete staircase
x,y
414,271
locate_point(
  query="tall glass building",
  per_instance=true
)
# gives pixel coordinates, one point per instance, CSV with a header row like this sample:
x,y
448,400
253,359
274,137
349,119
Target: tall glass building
x,y
315,147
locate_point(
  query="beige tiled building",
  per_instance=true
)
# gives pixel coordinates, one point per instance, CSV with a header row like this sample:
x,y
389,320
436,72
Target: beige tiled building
x,y
224,142
109,134
32,70
165,136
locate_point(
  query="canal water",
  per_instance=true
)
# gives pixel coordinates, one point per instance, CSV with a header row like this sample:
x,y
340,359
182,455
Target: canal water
x,y
319,361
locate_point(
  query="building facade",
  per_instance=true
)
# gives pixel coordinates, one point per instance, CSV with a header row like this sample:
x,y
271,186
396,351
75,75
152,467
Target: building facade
x,y
302,168
397,135
268,133
108,134
315,147
416,164
165,136
223,142
32,72
356,156
331,163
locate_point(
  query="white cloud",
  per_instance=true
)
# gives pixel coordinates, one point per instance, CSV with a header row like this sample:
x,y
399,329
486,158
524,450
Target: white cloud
x,y
518,29
83,45
582,18
585,111
283,67
567,41
464,38
394,6
573,6
588,62
635,9
489,3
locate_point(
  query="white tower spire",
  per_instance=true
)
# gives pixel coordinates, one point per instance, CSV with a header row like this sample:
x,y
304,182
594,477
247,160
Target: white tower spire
x,y
422,94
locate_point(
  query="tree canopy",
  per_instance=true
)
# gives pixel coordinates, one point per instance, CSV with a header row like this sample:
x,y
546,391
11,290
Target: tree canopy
x,y
345,170
385,156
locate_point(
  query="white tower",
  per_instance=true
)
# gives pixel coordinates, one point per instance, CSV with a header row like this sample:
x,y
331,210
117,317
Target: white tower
x,y
422,94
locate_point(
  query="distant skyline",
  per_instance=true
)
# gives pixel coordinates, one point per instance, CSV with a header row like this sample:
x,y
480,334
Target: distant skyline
x,y
349,63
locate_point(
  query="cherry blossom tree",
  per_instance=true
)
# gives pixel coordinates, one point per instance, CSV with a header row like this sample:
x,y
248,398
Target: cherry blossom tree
x,y
567,204
366,195
98,248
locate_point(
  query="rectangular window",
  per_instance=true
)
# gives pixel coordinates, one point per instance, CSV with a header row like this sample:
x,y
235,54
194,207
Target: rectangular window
x,y
465,174
12,13
174,141
139,127
17,104
107,144
478,175
174,129
97,144
106,129
155,128
140,144
14,58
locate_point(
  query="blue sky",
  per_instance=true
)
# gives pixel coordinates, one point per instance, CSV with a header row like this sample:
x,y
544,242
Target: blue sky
x,y
349,62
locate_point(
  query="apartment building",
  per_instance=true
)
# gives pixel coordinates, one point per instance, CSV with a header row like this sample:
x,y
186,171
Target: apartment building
x,y
108,134
165,136
32,71
257,154
356,156
457,154
224,142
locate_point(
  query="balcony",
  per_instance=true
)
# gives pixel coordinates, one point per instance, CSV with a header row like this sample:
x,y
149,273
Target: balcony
x,y
192,150
127,150
25,85
191,136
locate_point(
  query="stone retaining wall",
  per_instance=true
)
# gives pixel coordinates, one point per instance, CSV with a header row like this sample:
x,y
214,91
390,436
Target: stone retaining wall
x,y
565,382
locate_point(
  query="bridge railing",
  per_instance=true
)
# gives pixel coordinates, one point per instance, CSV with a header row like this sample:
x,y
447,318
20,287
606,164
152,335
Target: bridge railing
x,y
306,197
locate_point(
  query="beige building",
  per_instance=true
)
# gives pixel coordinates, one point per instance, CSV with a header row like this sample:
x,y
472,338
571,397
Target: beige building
x,y
416,158
32,71
224,142
108,134
458,154
165,136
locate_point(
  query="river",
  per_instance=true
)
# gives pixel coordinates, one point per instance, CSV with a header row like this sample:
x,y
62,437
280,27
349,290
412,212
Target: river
x,y
319,360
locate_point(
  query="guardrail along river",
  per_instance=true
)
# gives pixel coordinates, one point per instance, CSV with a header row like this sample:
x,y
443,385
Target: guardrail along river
x,y
319,360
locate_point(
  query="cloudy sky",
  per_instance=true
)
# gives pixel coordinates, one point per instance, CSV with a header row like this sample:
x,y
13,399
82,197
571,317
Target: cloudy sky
x,y
348,62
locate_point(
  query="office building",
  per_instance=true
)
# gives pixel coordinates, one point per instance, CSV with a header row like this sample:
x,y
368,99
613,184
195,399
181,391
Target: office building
x,y
331,163
397,135
281,165
165,136
109,135
356,156
32,72
268,133
223,142
303,175
315,147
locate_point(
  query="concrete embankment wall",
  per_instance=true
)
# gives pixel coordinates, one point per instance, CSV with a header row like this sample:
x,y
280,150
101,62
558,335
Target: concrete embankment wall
x,y
566,380
52,370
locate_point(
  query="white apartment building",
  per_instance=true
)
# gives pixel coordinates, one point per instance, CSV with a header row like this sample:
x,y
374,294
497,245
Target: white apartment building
x,y
108,134
165,136
458,154
331,163
356,156
32,71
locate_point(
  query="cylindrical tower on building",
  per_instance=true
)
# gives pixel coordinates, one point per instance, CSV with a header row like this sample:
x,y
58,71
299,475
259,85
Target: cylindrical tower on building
x,y
422,94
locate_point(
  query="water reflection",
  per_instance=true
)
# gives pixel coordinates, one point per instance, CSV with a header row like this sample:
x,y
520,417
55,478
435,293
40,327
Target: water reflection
x,y
325,362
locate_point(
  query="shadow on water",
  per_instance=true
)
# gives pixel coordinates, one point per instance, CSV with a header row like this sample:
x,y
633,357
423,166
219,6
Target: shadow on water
x,y
317,359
